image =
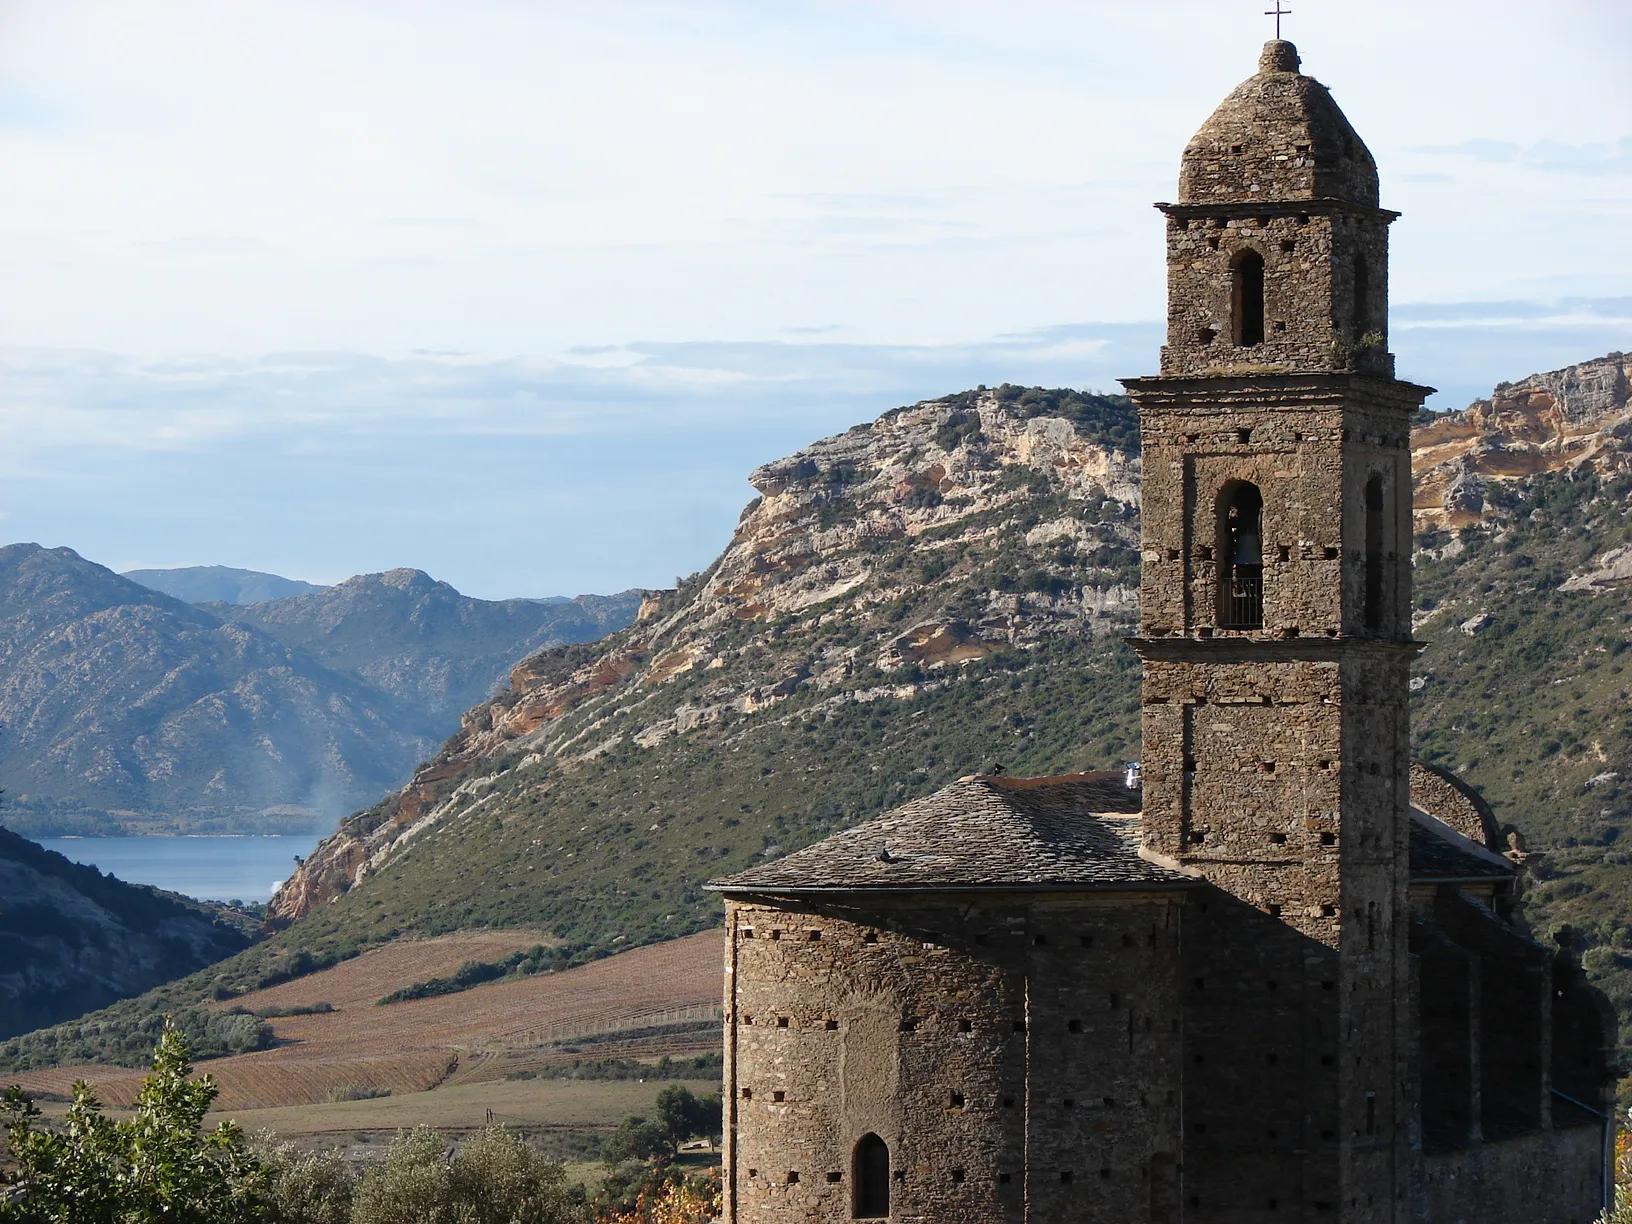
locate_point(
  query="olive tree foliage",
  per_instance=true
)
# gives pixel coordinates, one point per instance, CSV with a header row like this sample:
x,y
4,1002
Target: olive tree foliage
x,y
495,1178
159,1166
638,1138
306,1187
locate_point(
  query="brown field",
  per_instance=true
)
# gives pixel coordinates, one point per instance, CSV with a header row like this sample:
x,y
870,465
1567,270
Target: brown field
x,y
662,999
529,1104
379,971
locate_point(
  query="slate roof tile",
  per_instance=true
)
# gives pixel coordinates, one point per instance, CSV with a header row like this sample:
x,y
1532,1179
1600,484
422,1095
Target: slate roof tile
x,y
1439,852
1068,832
983,832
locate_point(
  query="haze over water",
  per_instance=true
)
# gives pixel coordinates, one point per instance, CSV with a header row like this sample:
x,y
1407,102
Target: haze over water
x,y
209,868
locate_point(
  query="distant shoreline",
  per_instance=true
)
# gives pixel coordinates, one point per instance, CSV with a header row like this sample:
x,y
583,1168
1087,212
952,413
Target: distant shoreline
x,y
105,836
244,867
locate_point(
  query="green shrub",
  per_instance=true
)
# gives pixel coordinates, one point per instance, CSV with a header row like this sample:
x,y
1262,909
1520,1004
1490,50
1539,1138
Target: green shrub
x,y
496,1178
157,1165
306,1187
537,959
355,1092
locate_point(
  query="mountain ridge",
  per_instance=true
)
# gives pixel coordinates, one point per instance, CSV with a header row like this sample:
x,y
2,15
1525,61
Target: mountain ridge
x,y
423,642
112,694
220,584
129,710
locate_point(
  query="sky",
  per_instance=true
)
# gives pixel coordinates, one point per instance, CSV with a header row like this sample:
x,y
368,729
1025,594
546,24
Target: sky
x,y
518,293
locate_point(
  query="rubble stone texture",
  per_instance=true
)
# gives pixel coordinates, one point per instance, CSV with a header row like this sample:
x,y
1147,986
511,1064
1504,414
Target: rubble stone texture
x,y
1289,996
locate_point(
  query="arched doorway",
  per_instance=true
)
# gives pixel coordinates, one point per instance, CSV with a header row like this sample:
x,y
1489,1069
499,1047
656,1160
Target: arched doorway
x,y
870,1178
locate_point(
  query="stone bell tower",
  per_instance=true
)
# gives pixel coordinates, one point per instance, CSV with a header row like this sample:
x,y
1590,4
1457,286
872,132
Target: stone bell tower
x,y
1275,638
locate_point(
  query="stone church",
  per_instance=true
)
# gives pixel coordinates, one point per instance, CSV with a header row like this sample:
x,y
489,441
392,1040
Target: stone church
x,y
1278,973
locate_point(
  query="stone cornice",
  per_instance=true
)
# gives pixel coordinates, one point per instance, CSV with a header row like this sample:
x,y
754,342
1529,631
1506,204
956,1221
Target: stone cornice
x,y
1299,389
1267,649
1273,208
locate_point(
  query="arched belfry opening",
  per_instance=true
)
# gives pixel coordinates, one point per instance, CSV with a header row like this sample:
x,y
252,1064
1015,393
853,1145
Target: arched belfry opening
x,y
1247,298
1374,553
870,1179
1240,553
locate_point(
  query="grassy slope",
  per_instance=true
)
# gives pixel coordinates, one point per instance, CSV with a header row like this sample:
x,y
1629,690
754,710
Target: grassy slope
x,y
1536,707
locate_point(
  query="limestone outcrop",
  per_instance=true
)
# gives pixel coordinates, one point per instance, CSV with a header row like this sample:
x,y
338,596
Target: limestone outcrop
x,y
1564,420
1002,473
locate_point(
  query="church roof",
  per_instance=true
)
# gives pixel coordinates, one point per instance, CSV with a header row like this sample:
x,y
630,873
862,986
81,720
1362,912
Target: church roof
x,y
1277,137
981,833
1075,831
1440,854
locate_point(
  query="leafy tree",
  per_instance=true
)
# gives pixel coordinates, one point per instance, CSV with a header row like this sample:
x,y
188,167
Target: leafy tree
x,y
496,1178
158,1165
413,1182
685,1115
306,1187
639,1138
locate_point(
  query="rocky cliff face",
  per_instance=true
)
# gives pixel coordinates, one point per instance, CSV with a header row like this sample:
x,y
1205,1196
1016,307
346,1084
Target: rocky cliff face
x,y
72,939
1577,417
871,566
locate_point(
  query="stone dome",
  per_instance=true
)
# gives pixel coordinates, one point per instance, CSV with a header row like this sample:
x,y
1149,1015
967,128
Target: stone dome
x,y
1278,136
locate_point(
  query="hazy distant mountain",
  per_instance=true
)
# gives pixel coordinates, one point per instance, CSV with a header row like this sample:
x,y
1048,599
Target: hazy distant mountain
x,y
220,584
124,709
116,699
423,642
72,939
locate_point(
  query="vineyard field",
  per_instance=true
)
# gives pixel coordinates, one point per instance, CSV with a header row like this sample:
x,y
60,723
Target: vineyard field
x,y
654,1000
562,1104
379,971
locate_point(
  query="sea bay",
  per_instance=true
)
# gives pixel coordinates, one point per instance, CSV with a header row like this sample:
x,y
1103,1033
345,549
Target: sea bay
x,y
210,868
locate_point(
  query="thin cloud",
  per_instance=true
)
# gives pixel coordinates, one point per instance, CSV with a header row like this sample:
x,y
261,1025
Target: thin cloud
x,y
60,399
208,244
432,222
1589,157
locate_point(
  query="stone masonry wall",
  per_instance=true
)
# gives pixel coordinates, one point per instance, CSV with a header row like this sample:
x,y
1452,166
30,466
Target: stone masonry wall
x,y
1277,136
1309,445
1313,319
1551,1177
1019,1057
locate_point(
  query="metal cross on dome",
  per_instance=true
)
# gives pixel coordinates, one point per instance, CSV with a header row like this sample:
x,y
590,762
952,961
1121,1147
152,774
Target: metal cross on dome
x,y
1277,12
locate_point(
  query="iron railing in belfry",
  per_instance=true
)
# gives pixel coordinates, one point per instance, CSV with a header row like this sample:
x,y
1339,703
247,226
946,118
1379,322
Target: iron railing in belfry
x,y
1243,602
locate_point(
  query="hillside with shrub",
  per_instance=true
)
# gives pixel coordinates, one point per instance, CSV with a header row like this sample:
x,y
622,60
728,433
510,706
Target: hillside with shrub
x,y
73,939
